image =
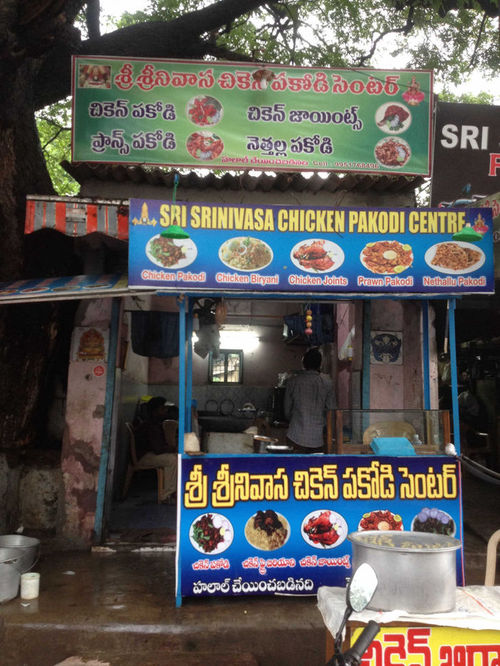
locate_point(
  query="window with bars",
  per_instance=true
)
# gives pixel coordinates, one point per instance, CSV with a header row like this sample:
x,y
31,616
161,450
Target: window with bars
x,y
225,367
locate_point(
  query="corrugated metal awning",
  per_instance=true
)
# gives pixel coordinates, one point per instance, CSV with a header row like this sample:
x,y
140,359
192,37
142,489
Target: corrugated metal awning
x,y
65,288
77,217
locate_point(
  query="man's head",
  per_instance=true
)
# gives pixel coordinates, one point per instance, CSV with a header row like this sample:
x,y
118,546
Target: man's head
x,y
312,359
156,408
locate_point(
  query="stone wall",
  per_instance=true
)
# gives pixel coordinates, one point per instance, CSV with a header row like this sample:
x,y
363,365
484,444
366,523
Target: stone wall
x,y
30,489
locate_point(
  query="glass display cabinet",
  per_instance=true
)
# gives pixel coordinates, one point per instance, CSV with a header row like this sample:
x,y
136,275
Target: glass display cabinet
x,y
428,430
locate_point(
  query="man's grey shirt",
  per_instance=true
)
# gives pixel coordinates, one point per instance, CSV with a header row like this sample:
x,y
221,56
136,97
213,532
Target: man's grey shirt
x,y
308,397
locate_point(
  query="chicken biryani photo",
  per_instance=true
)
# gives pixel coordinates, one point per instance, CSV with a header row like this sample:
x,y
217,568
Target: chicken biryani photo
x,y
267,530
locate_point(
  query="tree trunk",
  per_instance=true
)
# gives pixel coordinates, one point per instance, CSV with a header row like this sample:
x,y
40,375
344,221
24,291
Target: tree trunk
x,y
28,333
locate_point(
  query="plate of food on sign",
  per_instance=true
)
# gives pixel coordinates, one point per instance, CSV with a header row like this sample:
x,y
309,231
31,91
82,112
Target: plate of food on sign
x,y
324,529
387,257
317,255
393,118
211,533
381,520
392,152
267,530
434,521
454,257
204,110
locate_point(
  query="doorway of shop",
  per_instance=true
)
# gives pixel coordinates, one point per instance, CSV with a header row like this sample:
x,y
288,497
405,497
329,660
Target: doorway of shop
x,y
138,518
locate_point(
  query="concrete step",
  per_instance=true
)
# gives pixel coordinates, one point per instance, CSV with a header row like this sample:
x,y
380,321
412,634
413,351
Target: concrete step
x,y
134,658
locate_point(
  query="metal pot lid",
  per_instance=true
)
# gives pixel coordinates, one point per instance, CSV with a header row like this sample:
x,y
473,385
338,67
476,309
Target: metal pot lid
x,y
212,406
226,407
405,542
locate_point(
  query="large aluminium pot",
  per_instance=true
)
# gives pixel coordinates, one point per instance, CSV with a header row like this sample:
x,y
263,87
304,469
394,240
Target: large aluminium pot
x,y
9,582
416,571
19,550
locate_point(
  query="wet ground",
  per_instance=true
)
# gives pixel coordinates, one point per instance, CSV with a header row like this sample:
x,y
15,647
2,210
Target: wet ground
x,y
116,605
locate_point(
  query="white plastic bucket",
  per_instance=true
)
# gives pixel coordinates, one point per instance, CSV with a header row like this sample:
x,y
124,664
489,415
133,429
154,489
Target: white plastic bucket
x,y
30,585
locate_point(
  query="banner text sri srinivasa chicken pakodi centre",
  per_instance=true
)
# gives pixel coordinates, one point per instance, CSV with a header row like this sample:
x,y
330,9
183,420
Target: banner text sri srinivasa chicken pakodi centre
x,y
227,115
290,249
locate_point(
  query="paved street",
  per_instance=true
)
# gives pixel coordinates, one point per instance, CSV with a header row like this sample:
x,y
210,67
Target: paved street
x,y
119,608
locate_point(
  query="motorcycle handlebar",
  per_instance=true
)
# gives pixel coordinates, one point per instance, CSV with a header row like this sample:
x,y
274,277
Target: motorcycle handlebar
x,y
355,653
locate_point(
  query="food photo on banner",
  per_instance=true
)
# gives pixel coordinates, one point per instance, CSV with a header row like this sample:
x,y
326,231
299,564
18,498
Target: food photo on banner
x,y
291,249
251,116
280,525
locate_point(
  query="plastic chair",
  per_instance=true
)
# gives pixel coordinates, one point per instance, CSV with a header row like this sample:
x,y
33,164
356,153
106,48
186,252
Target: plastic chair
x,y
133,466
491,558
171,432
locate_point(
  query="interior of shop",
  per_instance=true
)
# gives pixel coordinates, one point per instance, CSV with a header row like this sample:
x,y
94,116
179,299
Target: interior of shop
x,y
241,388
243,352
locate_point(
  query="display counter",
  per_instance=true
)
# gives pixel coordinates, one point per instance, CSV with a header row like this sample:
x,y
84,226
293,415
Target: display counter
x,y
428,430
466,636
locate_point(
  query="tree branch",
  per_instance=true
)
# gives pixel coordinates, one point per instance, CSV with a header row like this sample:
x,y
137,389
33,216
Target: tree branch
x,y
404,30
180,38
478,41
92,16
54,136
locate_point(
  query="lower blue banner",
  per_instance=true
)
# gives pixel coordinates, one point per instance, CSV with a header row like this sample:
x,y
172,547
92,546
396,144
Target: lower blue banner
x,y
279,524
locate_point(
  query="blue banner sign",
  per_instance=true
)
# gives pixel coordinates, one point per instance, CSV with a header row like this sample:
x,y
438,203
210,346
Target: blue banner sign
x,y
313,249
278,524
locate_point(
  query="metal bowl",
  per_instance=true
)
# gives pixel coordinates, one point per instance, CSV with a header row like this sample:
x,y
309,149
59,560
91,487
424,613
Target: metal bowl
x,y
9,582
19,551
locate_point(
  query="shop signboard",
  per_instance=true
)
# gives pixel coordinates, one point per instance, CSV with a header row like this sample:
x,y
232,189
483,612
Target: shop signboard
x,y
466,153
493,201
226,115
278,524
309,249
431,646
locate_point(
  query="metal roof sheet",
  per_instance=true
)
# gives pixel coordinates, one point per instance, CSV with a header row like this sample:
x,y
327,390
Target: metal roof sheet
x,y
250,181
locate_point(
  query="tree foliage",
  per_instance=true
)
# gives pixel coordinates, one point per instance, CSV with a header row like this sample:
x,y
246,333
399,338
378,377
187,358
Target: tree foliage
x,y
453,38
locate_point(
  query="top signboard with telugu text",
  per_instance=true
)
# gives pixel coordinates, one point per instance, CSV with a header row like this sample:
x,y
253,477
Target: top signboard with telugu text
x,y
251,116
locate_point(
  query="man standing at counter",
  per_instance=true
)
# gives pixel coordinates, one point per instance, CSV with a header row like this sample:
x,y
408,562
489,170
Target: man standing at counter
x,y
308,398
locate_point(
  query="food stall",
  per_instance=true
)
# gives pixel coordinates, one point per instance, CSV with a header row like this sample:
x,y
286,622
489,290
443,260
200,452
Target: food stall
x,y
468,634
278,524
263,524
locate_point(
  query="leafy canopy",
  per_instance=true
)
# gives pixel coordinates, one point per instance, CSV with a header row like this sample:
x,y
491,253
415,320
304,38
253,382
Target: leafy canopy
x,y
455,38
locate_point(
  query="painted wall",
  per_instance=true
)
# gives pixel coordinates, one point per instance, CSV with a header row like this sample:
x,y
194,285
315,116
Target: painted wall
x,y
83,431
260,373
394,385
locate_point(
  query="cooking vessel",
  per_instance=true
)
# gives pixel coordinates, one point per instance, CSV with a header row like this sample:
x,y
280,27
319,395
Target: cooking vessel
x,y
261,442
20,551
9,582
279,448
416,571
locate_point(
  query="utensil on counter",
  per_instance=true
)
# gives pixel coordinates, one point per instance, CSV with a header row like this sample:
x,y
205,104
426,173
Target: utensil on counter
x,y
20,551
212,406
226,407
261,443
416,571
9,582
